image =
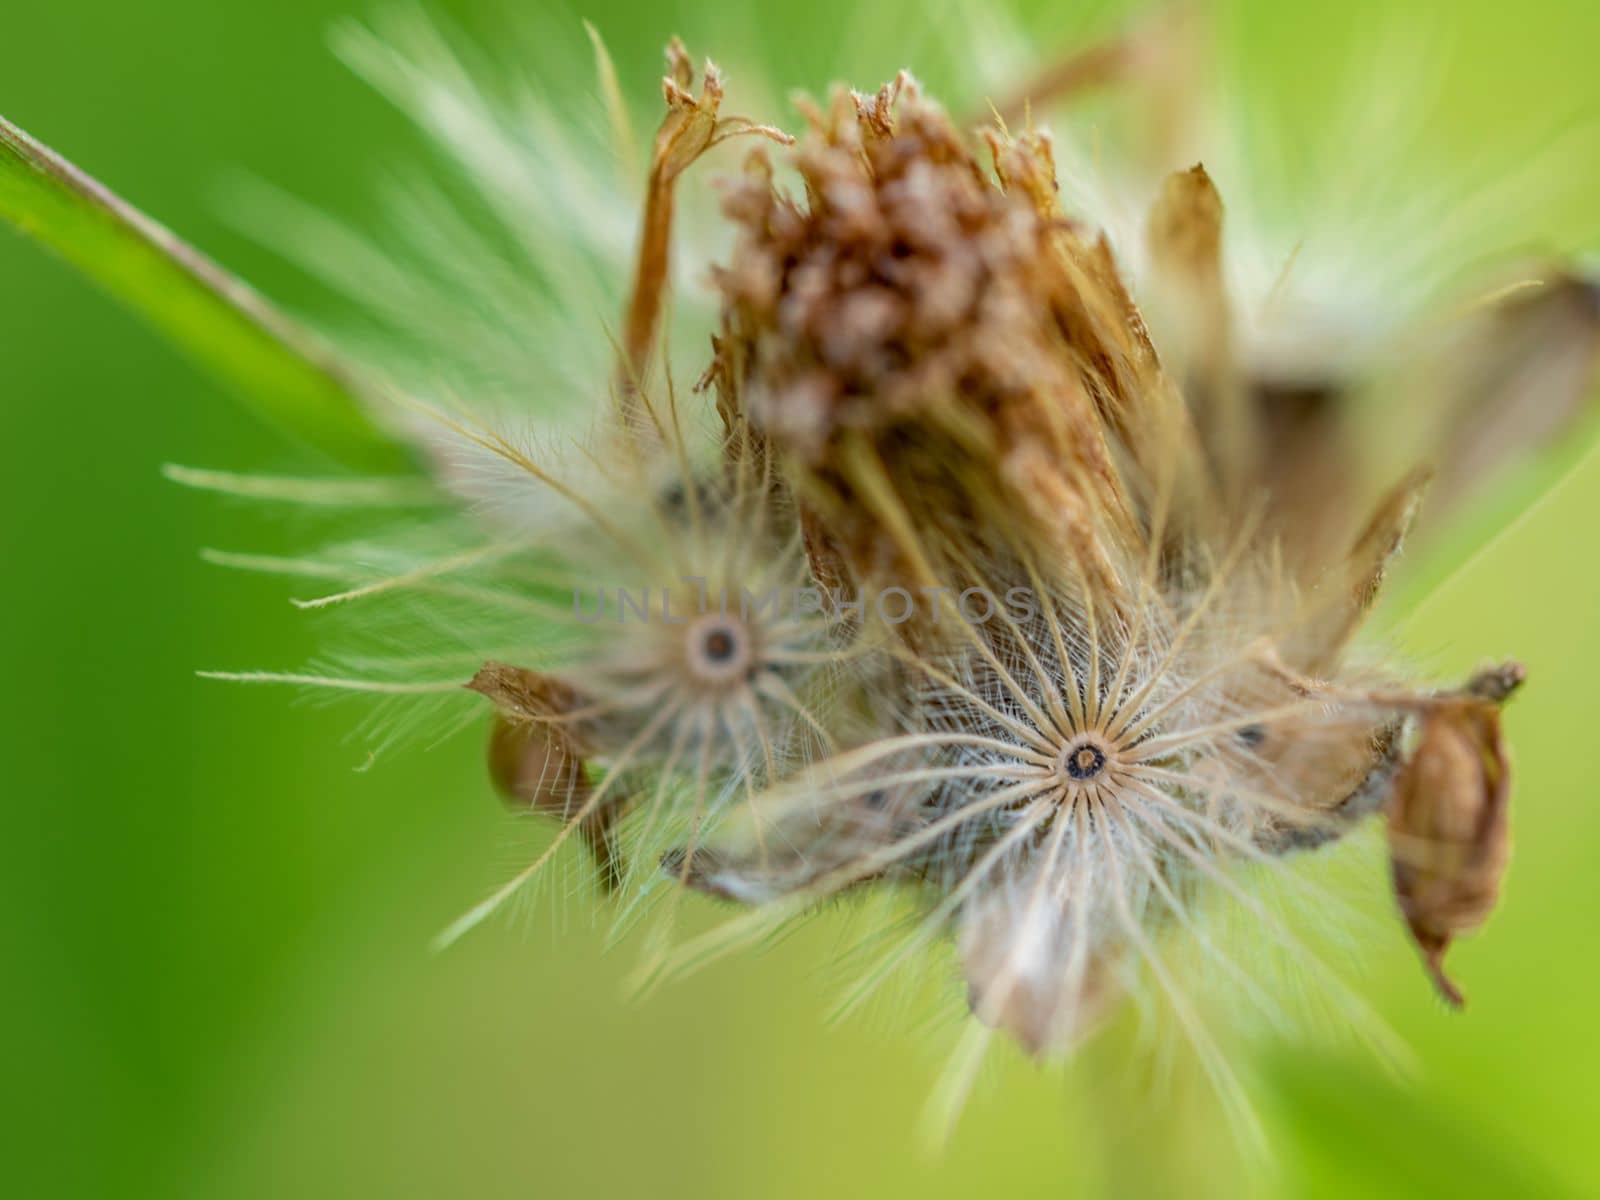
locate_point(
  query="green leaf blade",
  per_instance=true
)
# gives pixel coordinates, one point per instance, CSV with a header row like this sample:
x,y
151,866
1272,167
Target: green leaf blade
x,y
220,322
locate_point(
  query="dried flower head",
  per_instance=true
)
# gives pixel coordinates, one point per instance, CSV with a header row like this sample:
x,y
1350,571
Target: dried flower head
x,y
913,337
969,399
932,378
1130,516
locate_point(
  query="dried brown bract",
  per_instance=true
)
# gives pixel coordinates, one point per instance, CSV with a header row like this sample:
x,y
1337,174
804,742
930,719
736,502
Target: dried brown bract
x,y
535,761
692,126
1449,819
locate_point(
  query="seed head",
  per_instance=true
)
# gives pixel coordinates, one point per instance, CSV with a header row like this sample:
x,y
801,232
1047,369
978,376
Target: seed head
x,y
935,372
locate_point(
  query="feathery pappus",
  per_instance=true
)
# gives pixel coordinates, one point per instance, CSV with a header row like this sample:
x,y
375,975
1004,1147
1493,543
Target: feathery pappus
x,y
965,387
1008,547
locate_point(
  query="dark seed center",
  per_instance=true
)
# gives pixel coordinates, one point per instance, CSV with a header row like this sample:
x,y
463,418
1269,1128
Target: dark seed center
x,y
1085,762
719,646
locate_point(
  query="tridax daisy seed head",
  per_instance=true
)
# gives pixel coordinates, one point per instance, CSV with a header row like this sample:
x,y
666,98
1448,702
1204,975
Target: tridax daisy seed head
x,y
1089,513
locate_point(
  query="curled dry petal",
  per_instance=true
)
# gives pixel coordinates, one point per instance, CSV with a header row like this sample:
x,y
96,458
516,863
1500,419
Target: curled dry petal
x,y
1039,983
691,127
536,762
807,857
685,134
1449,836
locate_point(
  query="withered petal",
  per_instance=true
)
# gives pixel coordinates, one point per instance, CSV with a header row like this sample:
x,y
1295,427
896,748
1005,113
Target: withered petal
x,y
1449,833
536,762
1044,990
1516,378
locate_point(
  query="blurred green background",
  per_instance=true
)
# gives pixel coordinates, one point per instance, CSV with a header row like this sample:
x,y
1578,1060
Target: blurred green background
x,y
217,980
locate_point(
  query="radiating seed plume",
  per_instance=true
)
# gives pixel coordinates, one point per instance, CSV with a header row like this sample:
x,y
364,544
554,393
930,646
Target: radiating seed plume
x,y
1136,483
